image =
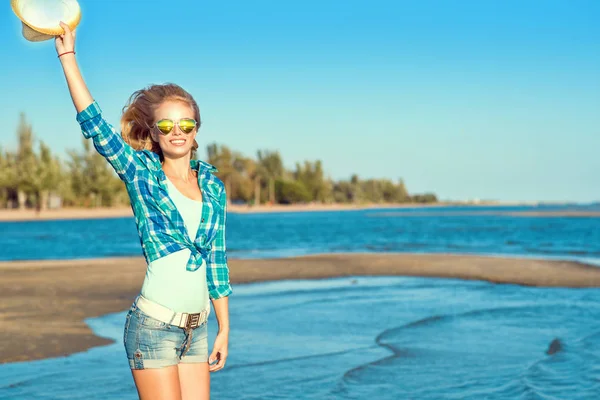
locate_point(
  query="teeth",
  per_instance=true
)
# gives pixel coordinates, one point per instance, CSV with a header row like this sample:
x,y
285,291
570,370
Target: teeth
x,y
177,141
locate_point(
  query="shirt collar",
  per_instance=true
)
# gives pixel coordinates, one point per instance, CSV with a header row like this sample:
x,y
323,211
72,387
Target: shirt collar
x,y
202,165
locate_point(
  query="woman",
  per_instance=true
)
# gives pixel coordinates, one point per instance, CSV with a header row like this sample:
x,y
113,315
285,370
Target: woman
x,y
180,208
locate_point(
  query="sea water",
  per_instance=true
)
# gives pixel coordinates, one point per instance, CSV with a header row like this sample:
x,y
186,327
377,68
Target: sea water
x,y
365,338
430,230
356,337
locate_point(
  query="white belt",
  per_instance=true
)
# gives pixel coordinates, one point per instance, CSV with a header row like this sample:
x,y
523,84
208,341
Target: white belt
x,y
168,316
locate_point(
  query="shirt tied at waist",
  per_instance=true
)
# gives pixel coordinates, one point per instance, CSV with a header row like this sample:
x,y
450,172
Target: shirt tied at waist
x,y
198,253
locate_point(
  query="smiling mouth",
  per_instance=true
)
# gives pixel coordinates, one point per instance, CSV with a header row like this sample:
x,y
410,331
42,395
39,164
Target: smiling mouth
x,y
178,142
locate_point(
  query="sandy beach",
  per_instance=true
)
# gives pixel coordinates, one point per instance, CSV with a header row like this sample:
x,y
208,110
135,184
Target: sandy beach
x,y
120,212
43,303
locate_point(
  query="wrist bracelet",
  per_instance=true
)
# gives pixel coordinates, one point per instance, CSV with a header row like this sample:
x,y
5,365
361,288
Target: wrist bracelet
x,y
66,52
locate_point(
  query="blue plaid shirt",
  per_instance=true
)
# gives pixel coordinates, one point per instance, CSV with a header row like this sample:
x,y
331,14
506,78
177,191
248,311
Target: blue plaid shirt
x,y
159,224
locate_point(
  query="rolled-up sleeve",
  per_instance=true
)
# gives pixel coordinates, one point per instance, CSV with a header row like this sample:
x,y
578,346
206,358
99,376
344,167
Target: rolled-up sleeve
x,y
108,142
217,269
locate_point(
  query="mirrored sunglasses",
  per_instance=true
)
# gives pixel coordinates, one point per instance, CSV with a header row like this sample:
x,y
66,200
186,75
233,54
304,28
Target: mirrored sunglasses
x,y
186,125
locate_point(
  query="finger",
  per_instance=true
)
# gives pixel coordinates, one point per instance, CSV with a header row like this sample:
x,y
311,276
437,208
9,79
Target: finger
x,y
213,356
65,27
218,365
215,368
74,34
214,364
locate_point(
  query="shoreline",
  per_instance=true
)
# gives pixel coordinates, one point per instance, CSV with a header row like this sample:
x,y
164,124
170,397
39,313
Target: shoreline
x,y
8,215
13,215
52,298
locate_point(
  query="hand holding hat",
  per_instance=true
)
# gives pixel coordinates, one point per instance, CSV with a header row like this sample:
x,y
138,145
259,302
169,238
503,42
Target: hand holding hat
x,y
66,42
56,19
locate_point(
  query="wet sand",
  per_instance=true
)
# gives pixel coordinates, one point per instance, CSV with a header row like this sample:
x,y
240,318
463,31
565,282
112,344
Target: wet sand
x,y
43,303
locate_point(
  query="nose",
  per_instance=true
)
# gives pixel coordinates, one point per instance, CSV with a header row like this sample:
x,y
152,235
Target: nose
x,y
176,131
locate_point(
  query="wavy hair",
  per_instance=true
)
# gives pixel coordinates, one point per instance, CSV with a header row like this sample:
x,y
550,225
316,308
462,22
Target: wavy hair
x,y
138,115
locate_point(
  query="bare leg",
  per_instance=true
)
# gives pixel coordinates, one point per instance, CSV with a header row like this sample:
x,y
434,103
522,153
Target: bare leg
x,y
194,379
158,383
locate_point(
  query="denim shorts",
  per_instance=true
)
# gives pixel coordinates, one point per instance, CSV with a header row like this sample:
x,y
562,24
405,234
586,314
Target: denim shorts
x,y
151,343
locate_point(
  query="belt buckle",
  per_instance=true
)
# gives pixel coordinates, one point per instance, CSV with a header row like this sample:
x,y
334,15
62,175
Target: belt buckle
x,y
193,321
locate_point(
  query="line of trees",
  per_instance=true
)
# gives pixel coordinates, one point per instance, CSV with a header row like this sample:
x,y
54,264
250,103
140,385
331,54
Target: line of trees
x,y
32,177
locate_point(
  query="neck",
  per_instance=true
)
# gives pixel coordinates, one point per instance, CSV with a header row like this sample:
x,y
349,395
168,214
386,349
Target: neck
x,y
178,168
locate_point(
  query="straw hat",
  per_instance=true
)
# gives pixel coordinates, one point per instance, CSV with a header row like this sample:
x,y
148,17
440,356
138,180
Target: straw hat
x,y
40,18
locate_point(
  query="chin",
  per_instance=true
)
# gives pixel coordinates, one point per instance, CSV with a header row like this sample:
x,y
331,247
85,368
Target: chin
x,y
176,152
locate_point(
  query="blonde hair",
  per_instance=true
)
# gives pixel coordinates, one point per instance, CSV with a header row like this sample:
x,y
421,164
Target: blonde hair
x,y
138,115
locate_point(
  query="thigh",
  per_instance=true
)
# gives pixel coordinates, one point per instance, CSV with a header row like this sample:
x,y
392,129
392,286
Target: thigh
x,y
194,380
158,383
194,375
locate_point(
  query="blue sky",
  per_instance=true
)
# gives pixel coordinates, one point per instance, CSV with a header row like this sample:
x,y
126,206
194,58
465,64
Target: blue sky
x,y
467,99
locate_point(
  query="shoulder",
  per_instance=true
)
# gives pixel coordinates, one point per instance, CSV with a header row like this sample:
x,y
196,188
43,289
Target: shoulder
x,y
215,181
208,173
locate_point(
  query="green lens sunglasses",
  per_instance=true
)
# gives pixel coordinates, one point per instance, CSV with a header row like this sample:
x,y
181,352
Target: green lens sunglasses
x,y
186,125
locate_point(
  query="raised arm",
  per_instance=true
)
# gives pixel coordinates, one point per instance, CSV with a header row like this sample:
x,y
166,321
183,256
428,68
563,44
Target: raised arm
x,y
107,141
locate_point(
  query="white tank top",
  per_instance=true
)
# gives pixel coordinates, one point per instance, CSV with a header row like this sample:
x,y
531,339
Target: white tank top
x,y
167,281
